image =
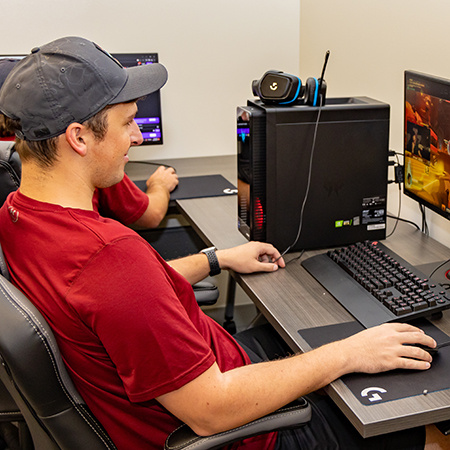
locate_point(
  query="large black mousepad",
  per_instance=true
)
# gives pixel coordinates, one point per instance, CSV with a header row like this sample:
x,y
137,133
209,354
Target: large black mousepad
x,y
387,386
198,187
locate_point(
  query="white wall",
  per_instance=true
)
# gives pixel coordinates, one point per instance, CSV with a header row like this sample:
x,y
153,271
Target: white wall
x,y
371,44
212,49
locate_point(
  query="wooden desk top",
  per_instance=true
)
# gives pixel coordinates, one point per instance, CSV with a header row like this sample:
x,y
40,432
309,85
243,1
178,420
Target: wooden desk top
x,y
291,300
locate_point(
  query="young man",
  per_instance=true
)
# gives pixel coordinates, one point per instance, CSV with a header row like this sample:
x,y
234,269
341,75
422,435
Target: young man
x,y
124,201
140,351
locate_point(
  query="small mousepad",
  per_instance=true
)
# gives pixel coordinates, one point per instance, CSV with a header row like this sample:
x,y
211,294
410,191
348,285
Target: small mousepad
x,y
393,385
198,187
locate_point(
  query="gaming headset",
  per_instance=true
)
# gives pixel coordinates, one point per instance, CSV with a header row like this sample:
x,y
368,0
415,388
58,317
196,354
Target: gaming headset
x,y
279,88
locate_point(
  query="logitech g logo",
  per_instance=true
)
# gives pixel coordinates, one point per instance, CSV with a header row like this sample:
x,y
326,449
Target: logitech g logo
x,y
230,191
274,86
375,397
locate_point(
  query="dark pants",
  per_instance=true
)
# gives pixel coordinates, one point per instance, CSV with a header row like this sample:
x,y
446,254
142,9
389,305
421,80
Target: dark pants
x,y
328,428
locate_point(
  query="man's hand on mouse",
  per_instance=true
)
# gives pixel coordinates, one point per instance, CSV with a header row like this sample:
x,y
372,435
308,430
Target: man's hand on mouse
x,y
164,176
382,348
251,257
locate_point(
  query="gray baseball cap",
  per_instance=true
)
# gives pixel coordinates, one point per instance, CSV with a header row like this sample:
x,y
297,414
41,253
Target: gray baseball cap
x,y
70,80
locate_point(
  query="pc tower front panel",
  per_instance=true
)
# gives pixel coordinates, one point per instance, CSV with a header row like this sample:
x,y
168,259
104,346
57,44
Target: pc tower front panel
x,y
251,138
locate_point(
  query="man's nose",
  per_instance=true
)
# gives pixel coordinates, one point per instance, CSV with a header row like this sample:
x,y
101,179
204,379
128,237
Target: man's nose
x,y
136,135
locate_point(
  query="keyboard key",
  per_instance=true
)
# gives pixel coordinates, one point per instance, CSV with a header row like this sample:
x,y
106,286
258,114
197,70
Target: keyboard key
x,y
419,306
401,310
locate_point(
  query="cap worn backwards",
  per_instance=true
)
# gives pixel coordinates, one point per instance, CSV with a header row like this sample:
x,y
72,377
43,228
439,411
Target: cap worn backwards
x,y
70,80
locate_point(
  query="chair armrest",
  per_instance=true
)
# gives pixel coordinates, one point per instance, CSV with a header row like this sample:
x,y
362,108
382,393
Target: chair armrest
x,y
205,293
294,415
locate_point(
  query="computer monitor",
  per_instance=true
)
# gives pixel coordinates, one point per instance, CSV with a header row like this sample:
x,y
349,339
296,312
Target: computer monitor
x,y
149,116
427,141
12,57
149,108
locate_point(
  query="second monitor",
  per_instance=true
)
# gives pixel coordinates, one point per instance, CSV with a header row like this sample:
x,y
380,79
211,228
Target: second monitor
x,y
148,117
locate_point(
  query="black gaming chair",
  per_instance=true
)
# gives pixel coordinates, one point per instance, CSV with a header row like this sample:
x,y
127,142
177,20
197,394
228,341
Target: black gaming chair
x,y
10,170
57,417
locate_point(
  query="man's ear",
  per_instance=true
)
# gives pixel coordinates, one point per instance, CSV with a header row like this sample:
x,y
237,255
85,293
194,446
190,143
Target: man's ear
x,y
77,136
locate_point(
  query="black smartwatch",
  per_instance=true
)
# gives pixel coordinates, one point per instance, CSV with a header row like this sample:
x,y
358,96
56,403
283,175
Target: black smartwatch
x,y
214,268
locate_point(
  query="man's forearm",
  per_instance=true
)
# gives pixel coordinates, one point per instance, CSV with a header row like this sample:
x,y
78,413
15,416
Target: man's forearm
x,y
194,267
156,210
247,258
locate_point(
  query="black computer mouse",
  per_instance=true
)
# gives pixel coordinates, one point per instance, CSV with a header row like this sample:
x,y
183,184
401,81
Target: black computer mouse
x,y
430,350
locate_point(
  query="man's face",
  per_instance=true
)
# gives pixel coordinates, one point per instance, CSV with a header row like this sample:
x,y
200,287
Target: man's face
x,y
111,154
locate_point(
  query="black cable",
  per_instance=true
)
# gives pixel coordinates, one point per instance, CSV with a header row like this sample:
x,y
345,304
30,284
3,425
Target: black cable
x,y
321,101
438,267
296,258
425,229
308,184
404,220
398,218
399,204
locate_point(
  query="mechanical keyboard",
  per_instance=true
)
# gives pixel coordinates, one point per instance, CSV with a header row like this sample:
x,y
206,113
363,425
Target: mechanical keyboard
x,y
376,285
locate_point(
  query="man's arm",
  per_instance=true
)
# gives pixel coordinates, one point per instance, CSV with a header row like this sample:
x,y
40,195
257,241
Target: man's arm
x,y
159,186
216,402
247,258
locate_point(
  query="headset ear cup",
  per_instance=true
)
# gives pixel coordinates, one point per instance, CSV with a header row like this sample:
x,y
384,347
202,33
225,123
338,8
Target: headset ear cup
x,y
278,88
255,88
312,92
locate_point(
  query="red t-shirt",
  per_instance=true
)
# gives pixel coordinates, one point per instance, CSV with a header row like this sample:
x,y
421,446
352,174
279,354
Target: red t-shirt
x,y
127,324
124,201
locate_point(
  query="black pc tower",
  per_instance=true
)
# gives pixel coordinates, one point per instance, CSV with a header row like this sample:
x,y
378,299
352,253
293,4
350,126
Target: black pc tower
x,y
311,177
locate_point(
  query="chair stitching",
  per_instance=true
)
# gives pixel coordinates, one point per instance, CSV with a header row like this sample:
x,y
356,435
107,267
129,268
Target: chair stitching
x,y
8,293
3,267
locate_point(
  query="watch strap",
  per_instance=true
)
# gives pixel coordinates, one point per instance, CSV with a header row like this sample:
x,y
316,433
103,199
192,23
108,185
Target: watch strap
x,y
214,267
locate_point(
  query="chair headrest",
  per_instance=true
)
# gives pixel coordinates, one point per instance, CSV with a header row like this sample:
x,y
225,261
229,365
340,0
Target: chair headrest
x,y
3,267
